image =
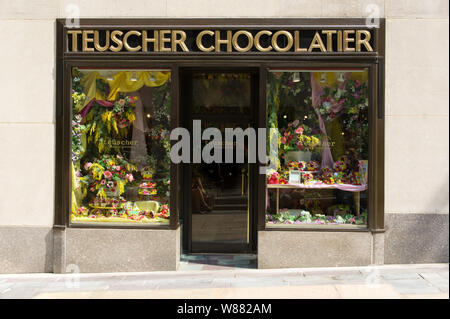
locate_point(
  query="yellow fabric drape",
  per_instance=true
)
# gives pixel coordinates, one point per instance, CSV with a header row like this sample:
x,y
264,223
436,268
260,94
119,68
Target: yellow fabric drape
x,y
122,81
76,191
331,77
334,131
89,82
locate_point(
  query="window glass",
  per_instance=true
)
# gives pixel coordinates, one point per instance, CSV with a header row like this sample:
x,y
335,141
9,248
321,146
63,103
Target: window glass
x,y
318,147
120,146
221,93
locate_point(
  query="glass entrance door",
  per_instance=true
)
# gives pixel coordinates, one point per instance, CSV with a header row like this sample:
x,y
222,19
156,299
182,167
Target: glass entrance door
x,y
219,217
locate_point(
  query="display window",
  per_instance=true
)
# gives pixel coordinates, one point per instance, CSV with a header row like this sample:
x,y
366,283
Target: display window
x,y
318,145
120,146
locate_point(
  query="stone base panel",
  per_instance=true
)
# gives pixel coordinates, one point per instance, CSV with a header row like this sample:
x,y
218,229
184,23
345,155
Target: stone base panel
x,y
409,238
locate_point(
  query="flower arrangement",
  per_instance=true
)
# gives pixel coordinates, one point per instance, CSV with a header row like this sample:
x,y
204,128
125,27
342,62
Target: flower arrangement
x,y
284,177
342,164
78,100
308,178
339,209
349,98
343,172
305,217
272,178
297,137
108,123
354,178
77,138
308,143
277,178
82,211
356,120
312,166
164,211
301,166
327,176
109,175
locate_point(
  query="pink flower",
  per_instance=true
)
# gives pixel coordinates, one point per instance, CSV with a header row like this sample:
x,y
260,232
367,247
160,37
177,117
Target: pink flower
x,y
357,83
299,146
299,130
283,140
107,174
103,182
87,165
118,168
130,177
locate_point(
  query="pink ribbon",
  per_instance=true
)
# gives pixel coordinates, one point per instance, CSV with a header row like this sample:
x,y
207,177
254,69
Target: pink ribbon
x,y
88,106
316,92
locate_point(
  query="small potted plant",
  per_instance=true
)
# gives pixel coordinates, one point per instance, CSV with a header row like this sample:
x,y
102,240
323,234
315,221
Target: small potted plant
x,y
297,143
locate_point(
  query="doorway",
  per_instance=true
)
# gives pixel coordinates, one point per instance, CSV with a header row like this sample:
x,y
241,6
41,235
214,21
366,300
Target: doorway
x,y
218,206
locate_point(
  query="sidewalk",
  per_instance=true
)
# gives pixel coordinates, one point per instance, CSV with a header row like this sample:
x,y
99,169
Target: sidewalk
x,y
388,281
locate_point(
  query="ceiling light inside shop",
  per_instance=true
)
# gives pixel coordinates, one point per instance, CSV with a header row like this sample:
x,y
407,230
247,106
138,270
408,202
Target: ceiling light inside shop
x,y
340,77
133,77
152,77
296,77
109,76
323,78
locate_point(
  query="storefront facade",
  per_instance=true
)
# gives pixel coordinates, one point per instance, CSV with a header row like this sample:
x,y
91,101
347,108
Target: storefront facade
x,y
307,189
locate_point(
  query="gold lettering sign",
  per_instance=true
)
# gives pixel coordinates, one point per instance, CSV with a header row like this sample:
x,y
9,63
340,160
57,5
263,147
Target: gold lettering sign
x,y
220,41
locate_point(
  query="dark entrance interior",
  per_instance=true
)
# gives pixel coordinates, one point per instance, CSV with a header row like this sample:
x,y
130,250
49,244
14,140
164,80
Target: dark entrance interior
x,y
218,209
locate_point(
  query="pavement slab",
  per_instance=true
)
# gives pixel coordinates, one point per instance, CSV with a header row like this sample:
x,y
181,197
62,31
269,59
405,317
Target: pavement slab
x,y
388,281
413,286
367,292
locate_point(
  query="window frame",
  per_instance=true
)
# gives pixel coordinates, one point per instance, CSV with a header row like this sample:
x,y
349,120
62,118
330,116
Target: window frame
x,y
373,113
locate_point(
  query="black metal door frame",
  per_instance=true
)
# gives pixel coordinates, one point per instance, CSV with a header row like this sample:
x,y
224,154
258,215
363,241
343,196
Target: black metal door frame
x,y
185,76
